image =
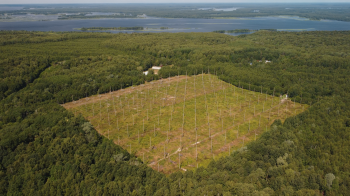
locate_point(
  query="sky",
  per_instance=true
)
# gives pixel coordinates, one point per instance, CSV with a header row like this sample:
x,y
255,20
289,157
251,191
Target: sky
x,y
164,1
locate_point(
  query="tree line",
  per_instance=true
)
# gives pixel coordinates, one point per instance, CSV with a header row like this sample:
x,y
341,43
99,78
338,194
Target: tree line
x,y
47,150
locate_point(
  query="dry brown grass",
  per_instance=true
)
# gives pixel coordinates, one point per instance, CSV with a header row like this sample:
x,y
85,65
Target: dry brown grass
x,y
124,113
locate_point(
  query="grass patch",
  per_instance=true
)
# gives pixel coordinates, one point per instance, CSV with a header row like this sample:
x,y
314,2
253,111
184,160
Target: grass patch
x,y
183,120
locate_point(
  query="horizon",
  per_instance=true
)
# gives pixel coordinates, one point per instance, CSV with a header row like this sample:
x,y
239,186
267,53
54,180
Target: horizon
x,y
67,2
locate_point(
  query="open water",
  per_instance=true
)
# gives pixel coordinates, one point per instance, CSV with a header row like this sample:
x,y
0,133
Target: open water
x,y
183,24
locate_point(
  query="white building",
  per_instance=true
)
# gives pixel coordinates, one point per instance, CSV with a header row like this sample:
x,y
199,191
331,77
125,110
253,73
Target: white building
x,y
142,16
156,67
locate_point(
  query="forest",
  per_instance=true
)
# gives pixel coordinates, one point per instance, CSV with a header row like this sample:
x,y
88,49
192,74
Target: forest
x,y
46,149
183,122
242,30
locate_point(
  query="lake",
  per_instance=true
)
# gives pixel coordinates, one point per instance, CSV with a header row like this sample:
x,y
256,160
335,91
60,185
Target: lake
x,y
183,24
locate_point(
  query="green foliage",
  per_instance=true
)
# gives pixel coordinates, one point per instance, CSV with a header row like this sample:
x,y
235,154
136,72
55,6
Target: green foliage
x,y
164,110
46,150
242,30
13,37
15,74
329,179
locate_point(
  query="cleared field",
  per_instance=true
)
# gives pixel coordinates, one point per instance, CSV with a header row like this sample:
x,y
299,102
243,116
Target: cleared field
x,y
183,122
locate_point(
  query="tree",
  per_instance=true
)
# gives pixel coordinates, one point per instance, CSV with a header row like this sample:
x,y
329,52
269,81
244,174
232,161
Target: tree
x,y
329,179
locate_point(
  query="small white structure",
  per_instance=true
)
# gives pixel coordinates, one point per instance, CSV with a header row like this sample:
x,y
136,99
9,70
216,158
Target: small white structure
x,y
142,16
266,61
145,73
156,67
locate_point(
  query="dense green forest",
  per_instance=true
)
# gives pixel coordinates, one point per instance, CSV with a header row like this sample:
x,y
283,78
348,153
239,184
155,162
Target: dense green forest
x,y
242,30
235,31
46,150
313,11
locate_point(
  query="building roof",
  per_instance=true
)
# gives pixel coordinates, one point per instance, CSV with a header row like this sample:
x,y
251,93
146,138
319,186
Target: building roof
x,y
156,67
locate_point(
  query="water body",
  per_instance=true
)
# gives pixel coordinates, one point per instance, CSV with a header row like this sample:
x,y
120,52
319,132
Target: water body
x,y
9,8
100,13
220,9
183,24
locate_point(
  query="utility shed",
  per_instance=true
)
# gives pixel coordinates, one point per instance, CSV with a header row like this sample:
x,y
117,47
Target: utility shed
x,y
156,69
